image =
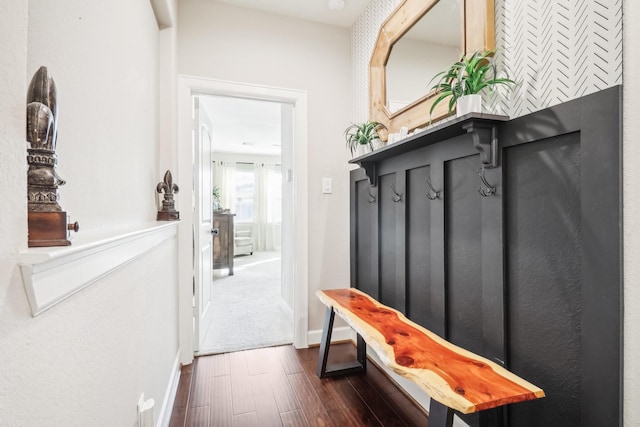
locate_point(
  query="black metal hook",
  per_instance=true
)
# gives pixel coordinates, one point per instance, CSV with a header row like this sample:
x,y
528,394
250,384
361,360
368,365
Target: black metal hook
x,y
371,198
397,197
432,194
485,189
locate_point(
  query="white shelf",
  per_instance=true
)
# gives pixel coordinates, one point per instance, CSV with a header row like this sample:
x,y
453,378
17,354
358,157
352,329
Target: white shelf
x,y
52,274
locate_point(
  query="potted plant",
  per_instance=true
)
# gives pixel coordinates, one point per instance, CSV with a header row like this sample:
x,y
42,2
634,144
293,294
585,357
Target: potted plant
x,y
465,79
217,204
363,134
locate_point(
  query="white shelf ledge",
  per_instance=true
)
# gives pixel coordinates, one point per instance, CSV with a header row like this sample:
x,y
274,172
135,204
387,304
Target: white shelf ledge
x,y
52,274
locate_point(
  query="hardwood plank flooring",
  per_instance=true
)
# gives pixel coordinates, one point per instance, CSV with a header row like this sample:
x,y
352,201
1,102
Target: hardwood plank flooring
x,y
278,386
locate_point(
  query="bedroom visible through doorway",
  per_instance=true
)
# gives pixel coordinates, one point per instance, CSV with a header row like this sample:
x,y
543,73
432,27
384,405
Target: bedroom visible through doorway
x,y
251,170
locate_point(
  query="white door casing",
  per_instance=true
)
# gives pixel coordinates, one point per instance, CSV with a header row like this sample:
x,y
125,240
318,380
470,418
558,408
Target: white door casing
x,y
298,261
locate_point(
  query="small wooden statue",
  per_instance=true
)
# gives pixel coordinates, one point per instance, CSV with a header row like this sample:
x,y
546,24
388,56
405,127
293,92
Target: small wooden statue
x,y
48,223
168,212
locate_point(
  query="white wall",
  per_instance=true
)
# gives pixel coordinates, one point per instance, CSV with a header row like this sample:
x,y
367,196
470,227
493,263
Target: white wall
x,y
631,213
86,361
229,43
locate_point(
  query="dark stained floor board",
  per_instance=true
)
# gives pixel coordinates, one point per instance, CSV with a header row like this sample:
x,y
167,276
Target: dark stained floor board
x,y
247,419
278,387
198,416
221,405
266,407
294,419
241,393
220,364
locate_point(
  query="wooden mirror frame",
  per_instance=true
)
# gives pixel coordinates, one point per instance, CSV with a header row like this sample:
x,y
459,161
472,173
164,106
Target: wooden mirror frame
x,y
478,33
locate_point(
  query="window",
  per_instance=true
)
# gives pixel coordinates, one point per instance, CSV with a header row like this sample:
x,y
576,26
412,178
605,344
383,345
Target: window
x,y
245,193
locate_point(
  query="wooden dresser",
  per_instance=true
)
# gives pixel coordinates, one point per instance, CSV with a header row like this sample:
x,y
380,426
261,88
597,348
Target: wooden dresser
x,y
222,233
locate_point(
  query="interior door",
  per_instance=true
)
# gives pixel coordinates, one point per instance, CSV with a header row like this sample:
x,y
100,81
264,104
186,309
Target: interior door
x,y
202,220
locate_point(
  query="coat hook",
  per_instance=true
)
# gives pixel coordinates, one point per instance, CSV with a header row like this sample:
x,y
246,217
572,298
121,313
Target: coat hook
x,y
432,194
396,196
371,198
485,189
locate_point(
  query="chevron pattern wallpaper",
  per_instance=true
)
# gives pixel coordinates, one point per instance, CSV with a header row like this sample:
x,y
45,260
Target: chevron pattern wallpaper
x,y
556,51
363,38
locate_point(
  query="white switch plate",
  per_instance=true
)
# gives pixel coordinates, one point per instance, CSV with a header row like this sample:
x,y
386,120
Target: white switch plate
x,y
327,186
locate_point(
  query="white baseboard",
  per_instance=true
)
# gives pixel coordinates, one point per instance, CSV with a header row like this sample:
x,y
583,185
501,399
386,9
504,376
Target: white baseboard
x,y
164,416
343,333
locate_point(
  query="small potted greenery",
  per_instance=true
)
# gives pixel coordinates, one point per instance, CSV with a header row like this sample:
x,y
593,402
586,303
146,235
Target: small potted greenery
x,y
362,134
217,203
465,79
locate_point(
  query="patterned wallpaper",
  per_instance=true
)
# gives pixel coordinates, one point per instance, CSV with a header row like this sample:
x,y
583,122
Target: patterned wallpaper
x,y
364,34
555,50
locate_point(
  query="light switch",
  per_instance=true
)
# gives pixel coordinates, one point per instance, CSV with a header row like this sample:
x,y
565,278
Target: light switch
x,y
327,186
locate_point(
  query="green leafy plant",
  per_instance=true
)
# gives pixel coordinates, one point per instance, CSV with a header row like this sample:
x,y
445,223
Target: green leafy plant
x,y
216,197
468,76
362,134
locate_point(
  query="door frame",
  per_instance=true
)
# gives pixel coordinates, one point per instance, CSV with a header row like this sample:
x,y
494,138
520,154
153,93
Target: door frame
x,y
187,87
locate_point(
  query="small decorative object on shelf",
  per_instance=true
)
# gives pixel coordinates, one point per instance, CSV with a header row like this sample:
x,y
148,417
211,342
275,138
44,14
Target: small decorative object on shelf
x,y
48,223
464,81
168,212
363,135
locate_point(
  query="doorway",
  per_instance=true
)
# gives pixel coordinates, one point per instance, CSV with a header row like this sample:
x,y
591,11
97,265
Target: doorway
x,y
295,239
250,306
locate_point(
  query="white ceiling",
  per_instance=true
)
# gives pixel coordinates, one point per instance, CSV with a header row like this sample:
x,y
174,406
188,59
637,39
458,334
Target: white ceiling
x,y
245,126
309,10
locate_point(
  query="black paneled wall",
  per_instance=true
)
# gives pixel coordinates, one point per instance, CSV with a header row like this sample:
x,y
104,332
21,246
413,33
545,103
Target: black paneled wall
x,y
530,276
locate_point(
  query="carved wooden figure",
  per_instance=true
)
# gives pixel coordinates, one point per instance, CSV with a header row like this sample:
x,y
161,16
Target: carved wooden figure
x,y
48,223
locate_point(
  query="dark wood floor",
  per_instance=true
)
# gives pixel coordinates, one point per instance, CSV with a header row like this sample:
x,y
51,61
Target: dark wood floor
x,y
278,386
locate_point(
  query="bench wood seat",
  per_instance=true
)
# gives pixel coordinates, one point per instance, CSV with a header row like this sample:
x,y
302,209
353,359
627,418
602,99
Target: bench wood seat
x,y
453,376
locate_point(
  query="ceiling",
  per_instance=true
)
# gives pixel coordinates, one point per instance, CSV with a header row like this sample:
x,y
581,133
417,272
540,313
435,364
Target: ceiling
x,y
309,10
245,126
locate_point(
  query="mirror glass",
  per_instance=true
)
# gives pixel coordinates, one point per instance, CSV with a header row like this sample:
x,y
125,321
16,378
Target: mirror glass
x,y
429,47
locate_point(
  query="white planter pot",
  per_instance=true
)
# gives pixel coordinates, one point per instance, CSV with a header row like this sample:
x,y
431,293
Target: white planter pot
x,y
468,104
361,150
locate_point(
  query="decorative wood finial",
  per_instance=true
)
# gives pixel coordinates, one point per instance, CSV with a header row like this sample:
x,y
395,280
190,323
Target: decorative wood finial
x,y
48,224
168,212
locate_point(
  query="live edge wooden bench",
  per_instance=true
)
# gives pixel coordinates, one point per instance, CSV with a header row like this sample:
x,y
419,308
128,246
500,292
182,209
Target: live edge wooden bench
x,y
454,378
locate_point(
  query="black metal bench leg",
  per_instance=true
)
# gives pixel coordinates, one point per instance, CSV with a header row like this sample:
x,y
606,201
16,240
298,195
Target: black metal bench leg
x,y
440,415
347,368
325,342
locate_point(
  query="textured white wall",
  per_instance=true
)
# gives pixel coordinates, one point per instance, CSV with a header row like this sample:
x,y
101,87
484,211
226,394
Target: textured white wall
x,y
107,82
13,90
631,213
85,361
229,43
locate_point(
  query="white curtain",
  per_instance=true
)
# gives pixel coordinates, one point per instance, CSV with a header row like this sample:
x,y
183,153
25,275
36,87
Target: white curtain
x,y
267,207
224,179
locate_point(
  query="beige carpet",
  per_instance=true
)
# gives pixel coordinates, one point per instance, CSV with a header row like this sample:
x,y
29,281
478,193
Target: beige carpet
x,y
247,310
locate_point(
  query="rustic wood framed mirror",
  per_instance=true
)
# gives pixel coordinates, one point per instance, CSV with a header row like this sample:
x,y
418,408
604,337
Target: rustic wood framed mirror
x,y
475,26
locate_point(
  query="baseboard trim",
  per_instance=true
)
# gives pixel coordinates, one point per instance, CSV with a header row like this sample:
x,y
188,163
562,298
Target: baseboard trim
x,y
164,416
340,334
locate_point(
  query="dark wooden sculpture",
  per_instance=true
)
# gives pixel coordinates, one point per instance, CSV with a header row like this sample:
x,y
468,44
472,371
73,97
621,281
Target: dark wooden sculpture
x,y
48,223
168,211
